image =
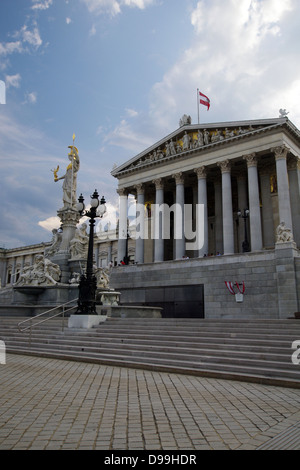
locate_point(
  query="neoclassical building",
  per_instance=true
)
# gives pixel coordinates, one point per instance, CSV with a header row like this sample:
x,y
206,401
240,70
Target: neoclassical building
x,y
245,177
217,228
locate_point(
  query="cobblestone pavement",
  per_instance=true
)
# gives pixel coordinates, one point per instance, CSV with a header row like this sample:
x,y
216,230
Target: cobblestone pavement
x,y
58,404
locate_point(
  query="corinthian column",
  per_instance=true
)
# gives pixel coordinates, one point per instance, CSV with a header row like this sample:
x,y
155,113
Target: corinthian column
x,y
179,217
123,201
294,180
284,202
254,203
202,199
140,229
228,234
158,221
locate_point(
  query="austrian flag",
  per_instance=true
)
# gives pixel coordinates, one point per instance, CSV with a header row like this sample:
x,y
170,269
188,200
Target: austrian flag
x,y
204,100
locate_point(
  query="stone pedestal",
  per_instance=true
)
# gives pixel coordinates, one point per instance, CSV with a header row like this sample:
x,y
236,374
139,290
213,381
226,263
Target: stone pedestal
x,y
85,321
69,219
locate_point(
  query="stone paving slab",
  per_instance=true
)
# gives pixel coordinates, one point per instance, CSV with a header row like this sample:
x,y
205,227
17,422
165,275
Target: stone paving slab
x,y
56,404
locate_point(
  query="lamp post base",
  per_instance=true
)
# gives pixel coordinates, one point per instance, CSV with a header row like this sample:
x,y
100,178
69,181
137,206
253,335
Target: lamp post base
x,y
87,296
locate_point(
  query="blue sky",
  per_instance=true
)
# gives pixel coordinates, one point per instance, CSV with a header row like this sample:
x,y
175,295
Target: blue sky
x,y
120,74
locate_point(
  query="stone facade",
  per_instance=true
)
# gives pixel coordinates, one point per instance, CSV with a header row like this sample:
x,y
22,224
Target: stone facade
x,y
245,176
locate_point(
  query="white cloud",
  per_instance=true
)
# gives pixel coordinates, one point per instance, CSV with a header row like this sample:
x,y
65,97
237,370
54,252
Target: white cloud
x,y
30,98
50,223
240,56
68,20
26,157
41,4
131,112
32,37
13,80
10,47
113,7
103,6
124,135
137,3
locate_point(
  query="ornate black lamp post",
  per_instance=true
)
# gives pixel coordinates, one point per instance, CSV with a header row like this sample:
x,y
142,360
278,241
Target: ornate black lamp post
x,y
245,216
88,282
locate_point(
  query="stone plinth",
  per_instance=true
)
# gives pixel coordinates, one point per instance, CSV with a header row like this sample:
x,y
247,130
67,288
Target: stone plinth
x,y
125,311
85,321
50,295
69,219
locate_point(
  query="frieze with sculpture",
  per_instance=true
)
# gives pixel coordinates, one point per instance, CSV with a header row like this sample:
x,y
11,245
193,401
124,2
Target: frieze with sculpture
x,y
190,141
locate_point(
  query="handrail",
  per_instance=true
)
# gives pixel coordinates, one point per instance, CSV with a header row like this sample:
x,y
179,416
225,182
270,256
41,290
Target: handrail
x,y
31,325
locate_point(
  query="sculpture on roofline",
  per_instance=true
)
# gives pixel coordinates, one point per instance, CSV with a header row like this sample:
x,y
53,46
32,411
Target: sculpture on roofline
x,y
185,120
283,113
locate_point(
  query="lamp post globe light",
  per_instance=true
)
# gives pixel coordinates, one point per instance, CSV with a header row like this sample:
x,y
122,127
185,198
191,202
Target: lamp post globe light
x,y
245,216
88,282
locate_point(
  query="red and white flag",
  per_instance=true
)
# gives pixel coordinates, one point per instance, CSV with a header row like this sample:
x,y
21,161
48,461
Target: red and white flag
x,y
204,100
229,286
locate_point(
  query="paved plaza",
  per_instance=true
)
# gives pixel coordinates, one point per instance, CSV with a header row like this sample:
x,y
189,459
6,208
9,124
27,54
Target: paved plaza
x,y
57,404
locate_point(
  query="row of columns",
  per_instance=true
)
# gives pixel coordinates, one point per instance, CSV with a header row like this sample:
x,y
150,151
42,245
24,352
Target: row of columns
x,y
223,211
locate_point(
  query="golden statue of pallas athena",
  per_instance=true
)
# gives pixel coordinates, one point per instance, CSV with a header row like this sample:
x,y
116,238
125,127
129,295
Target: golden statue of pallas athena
x,y
70,178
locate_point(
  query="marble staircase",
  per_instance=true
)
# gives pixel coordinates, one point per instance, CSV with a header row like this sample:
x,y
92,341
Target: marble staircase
x,y
250,350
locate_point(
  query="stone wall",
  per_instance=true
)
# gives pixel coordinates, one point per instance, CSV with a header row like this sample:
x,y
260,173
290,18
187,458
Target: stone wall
x,y
271,282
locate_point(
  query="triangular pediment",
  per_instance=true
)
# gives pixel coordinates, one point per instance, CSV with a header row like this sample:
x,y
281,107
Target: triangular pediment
x,y
191,138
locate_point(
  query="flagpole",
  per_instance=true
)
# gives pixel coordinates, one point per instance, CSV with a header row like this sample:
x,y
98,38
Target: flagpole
x,y
198,105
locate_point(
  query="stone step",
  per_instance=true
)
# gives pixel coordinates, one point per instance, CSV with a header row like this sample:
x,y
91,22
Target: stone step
x,y
199,352
281,347
258,351
157,322
289,327
280,377
241,341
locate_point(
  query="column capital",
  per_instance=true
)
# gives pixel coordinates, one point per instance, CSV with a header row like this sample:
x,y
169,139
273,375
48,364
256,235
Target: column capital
x,y
251,159
159,184
122,191
140,188
201,172
179,178
280,152
224,166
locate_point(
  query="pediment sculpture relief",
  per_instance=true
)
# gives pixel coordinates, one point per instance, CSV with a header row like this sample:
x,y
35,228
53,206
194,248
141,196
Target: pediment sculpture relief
x,y
190,141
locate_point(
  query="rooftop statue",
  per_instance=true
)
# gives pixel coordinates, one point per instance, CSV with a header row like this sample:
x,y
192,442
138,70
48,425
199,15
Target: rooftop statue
x,y
185,120
283,113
